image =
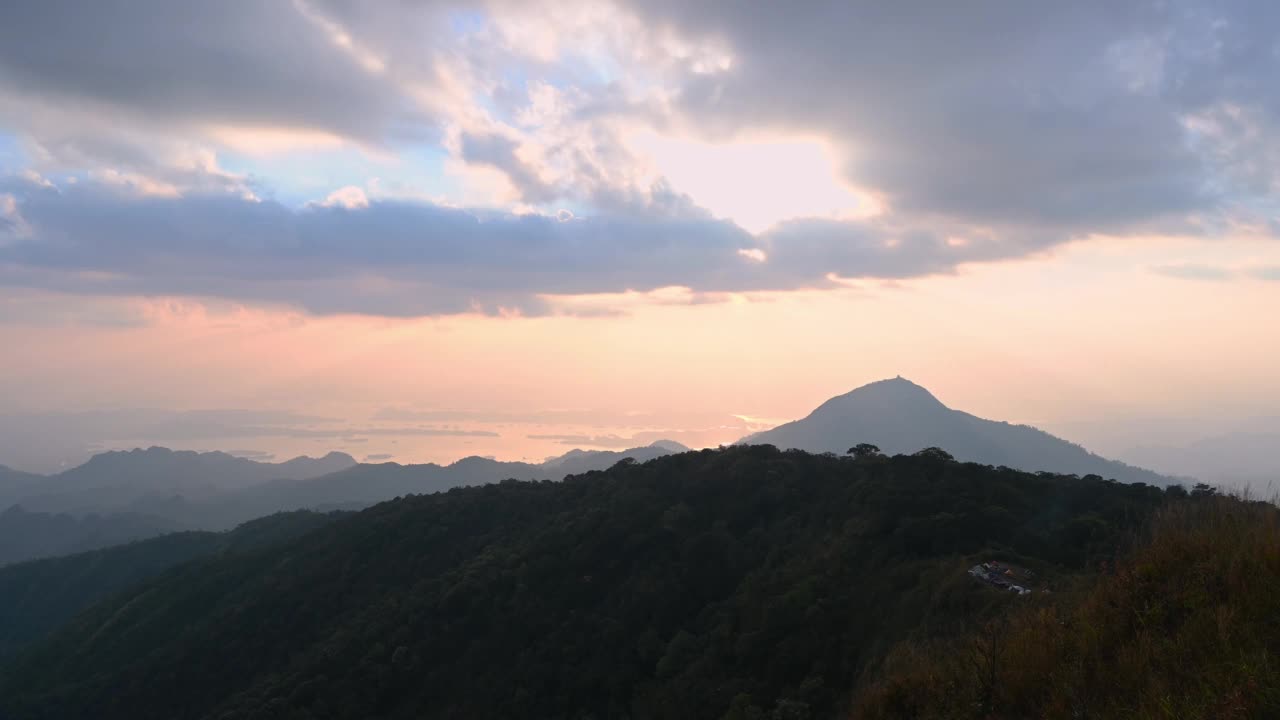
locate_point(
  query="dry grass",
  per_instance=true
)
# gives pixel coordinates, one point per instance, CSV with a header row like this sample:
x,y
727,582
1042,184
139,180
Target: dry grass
x,y
1186,626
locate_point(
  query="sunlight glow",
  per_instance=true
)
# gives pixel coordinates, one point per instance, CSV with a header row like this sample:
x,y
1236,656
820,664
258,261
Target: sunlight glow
x,y
757,182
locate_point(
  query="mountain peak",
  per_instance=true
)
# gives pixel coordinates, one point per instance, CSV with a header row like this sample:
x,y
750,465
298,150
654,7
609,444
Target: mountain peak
x,y
897,393
333,456
900,416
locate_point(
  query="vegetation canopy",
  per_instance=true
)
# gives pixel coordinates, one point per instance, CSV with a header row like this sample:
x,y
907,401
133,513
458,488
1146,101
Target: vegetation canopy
x,y
720,583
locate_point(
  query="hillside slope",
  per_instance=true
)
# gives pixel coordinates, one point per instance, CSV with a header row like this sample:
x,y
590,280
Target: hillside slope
x,y
38,596
901,417
1183,627
29,535
747,579
217,491
360,486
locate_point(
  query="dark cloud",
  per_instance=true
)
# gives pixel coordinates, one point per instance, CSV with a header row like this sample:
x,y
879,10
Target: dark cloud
x,y
378,457
499,152
241,62
406,258
994,129
1070,117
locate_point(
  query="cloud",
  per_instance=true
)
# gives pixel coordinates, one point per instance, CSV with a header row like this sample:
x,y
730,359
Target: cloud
x,y
255,455
1271,272
36,309
599,441
1195,271
293,432
694,438
501,153
237,62
539,417
986,133
409,258
1066,118
378,457
157,91
1204,271
349,197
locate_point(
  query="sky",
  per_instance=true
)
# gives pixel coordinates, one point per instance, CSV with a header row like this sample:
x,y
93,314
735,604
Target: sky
x,y
420,230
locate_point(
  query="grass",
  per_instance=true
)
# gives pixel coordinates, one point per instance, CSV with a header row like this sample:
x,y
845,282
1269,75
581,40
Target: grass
x,y
1186,625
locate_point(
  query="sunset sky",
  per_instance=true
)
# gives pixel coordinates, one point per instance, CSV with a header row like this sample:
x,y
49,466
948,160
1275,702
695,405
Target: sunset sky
x,y
423,230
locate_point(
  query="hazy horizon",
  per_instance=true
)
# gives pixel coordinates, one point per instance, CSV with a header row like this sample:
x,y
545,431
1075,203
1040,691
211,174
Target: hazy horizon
x,y
510,229
51,442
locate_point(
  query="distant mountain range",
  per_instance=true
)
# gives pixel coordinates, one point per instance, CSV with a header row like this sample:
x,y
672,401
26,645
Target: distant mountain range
x,y
122,496
118,480
900,416
144,492
130,495
362,485
11,479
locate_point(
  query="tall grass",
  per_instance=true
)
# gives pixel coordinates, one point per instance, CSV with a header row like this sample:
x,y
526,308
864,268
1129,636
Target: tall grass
x,y
1186,625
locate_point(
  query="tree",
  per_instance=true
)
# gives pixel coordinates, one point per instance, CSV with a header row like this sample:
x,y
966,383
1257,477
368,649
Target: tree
x,y
935,453
863,450
1203,490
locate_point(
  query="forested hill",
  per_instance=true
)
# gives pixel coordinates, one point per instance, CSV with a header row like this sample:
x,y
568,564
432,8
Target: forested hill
x,y
747,579
27,535
38,596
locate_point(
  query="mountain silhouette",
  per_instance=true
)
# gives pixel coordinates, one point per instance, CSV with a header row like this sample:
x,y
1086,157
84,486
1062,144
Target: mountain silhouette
x,y
365,484
900,416
158,467
118,479
217,491
15,482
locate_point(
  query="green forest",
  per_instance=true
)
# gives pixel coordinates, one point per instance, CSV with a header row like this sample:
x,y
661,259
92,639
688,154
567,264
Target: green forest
x,y
38,596
744,582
